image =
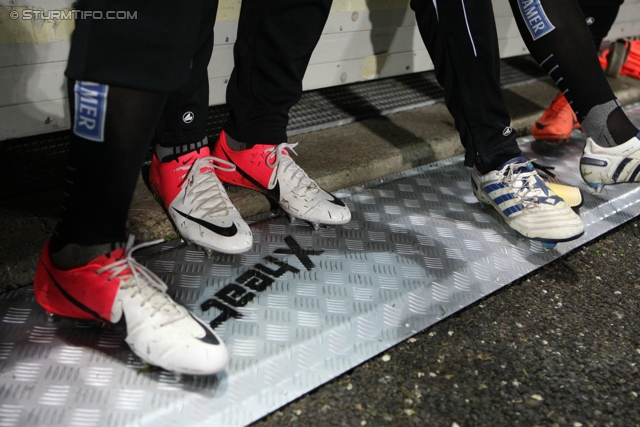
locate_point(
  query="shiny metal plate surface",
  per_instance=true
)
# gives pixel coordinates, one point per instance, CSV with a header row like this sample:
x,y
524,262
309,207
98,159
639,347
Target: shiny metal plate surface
x,y
299,309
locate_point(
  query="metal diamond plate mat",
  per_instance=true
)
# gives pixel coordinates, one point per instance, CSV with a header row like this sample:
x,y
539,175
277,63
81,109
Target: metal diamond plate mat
x,y
299,309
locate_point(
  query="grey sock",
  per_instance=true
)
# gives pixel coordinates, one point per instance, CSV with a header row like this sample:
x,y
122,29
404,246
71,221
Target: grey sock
x,y
166,154
73,256
595,124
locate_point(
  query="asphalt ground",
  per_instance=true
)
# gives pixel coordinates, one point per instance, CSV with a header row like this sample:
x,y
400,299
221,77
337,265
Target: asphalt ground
x,y
559,347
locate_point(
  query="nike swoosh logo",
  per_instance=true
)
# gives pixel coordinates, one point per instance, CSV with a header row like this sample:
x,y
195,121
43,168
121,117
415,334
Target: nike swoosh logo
x,y
336,201
222,231
243,173
540,125
273,193
74,301
188,161
209,337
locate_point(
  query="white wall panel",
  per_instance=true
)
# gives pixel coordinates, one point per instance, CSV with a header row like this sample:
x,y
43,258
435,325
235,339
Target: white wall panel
x,y
35,118
12,55
32,83
368,19
362,40
628,21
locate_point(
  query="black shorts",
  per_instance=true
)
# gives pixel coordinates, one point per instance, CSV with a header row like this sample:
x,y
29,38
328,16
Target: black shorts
x,y
145,45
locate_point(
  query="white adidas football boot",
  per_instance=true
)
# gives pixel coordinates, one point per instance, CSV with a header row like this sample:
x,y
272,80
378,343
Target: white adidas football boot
x,y
526,203
602,166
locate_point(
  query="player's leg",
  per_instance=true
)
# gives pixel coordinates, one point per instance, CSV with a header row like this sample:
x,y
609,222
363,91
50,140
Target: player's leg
x,y
557,36
462,42
87,270
559,120
466,60
275,42
183,172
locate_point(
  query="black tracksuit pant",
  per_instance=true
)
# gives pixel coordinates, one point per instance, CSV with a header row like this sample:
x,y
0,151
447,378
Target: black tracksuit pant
x,y
274,44
463,44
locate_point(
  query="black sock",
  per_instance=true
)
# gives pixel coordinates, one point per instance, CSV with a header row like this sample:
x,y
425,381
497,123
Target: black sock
x,y
485,168
237,145
620,128
73,255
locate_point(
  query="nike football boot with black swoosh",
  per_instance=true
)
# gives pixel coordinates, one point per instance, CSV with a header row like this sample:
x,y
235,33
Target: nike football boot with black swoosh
x,y
556,123
602,166
159,330
271,170
198,204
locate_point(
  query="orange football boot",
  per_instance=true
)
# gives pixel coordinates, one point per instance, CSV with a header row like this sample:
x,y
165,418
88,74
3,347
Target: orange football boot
x,y
556,123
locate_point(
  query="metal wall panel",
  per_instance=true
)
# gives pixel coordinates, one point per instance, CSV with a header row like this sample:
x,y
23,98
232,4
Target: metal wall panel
x,y
362,40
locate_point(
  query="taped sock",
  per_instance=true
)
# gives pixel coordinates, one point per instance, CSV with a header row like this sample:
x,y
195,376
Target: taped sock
x,y
167,154
608,125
